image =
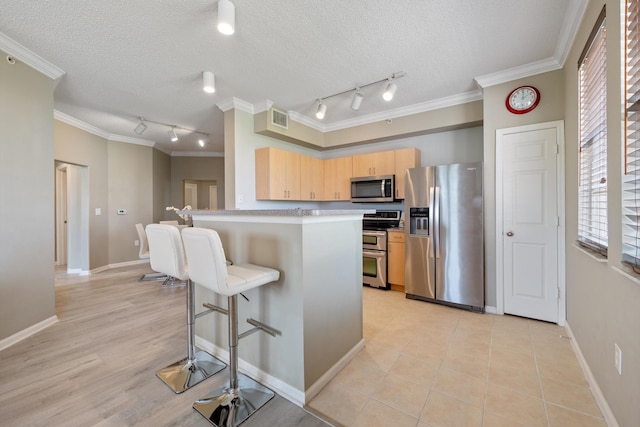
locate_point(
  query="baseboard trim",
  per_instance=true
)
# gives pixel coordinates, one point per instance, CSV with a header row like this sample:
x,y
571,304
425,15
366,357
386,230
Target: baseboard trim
x,y
25,333
609,418
490,309
292,394
316,387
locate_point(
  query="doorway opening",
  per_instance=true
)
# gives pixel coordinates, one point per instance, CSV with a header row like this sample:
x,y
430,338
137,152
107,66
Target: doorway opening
x,y
72,217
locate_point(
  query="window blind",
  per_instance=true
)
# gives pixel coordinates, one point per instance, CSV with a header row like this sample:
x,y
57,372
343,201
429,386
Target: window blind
x,y
592,189
631,179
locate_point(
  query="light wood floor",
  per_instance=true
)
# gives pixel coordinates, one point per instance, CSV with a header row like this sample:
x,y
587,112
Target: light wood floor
x,y
97,365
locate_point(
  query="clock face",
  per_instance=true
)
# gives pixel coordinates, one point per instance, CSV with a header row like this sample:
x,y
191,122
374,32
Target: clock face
x,y
523,99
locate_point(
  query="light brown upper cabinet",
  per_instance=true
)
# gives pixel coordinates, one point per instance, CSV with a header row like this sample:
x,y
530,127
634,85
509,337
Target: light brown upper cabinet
x,y
277,174
337,178
374,164
406,158
311,178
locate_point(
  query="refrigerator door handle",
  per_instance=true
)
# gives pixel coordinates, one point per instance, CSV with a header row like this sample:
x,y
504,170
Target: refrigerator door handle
x,y
436,219
431,229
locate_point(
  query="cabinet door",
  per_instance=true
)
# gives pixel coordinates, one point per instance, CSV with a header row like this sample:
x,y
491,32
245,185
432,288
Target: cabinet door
x,y
384,163
406,158
374,164
337,178
311,178
396,254
277,174
363,165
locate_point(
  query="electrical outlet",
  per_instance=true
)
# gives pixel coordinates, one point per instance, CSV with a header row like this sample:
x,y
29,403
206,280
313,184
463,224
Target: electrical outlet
x,y
618,359
136,243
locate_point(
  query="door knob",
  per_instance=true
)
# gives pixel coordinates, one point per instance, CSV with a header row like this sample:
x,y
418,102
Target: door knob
x,y
509,233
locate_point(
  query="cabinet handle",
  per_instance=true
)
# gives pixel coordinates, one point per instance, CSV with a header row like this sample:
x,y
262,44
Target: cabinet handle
x,y
285,194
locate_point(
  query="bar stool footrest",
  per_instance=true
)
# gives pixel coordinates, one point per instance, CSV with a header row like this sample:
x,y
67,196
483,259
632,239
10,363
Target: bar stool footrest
x,y
226,408
184,374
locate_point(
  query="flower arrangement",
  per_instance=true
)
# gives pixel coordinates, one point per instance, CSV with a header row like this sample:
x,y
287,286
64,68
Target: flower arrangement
x,y
176,210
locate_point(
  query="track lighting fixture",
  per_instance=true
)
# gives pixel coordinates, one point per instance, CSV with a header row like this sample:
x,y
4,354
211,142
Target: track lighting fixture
x,y
208,82
321,111
203,138
389,91
140,128
226,17
172,134
357,99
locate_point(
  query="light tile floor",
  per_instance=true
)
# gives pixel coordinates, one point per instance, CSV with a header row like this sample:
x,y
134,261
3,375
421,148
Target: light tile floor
x,y
429,365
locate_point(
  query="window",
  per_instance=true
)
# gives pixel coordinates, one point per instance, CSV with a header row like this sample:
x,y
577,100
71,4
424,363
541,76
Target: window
x,y
631,179
592,186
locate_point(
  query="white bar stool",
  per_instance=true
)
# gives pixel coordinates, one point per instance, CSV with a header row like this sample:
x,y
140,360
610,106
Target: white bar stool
x,y
228,406
168,253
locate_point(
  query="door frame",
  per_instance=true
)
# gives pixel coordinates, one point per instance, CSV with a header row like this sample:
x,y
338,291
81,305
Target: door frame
x,y
558,125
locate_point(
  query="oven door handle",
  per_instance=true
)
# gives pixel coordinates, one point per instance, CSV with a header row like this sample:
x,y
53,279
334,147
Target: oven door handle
x,y
374,233
374,254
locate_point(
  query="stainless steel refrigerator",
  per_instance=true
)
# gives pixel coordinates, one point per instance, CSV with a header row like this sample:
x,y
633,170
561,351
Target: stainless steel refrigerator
x,y
444,235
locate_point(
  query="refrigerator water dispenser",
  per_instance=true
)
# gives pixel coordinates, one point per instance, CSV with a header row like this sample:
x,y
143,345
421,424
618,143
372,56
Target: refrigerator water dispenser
x,y
419,221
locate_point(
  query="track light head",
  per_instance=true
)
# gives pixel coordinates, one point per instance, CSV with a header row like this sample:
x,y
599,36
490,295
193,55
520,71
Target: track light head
x,y
226,17
172,134
202,141
208,82
389,91
321,111
140,128
357,100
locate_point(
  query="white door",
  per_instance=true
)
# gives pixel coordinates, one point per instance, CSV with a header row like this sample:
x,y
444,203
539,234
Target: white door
x,y
191,195
213,197
527,169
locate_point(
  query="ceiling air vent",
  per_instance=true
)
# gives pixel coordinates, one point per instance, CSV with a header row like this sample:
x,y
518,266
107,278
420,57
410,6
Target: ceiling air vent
x,y
279,118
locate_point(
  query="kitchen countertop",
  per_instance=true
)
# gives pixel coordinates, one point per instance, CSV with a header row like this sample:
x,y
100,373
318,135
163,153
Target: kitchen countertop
x,y
397,229
278,212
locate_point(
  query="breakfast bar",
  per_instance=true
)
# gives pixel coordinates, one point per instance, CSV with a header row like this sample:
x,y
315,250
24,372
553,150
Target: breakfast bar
x,y
316,304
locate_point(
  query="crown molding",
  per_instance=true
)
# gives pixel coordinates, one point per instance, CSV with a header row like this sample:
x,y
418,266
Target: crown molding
x,y
262,106
33,60
527,70
572,20
196,154
236,103
64,117
422,107
129,140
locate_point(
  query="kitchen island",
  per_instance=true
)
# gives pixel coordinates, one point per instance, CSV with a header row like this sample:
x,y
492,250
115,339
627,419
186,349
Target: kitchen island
x,y
316,303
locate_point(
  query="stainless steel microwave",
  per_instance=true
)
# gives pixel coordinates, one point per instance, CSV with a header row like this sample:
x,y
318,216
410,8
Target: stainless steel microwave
x,y
371,189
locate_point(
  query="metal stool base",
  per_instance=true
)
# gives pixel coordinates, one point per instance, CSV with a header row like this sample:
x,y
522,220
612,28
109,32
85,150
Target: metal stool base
x,y
226,408
185,374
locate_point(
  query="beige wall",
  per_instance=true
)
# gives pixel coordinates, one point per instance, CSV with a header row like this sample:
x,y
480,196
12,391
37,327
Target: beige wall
x,y
603,306
161,185
130,182
27,194
72,145
196,168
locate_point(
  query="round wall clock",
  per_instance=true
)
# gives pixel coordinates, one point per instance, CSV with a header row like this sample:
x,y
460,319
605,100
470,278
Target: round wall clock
x,y
523,99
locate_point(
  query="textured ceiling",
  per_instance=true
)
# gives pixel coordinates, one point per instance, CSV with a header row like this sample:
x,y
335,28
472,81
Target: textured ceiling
x,y
125,59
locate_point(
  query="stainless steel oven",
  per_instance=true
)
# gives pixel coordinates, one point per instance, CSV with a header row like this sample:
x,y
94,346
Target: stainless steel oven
x,y
374,258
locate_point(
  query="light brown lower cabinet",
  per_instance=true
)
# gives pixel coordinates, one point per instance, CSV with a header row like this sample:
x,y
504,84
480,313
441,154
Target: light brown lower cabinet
x,y
395,260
